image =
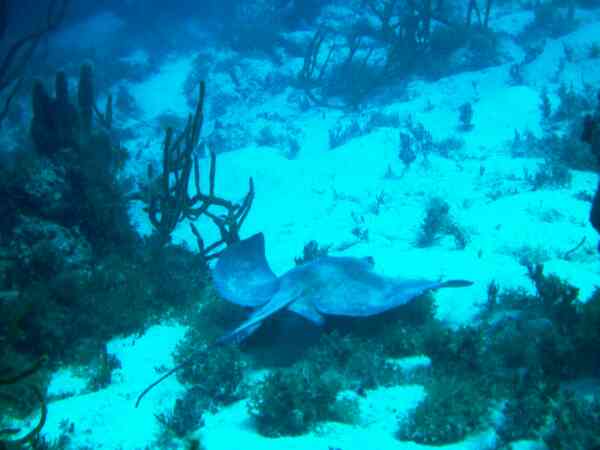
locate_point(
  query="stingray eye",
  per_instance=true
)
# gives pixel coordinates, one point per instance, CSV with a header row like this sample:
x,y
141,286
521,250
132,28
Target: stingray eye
x,y
370,260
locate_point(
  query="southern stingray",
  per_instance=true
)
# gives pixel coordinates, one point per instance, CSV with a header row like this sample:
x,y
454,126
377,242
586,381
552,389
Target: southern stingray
x,y
326,286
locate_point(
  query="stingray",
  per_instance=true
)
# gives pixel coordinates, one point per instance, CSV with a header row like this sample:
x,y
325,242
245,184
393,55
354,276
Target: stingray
x,y
326,286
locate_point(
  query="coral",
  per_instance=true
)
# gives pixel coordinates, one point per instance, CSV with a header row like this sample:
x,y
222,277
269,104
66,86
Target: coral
x,y
384,44
550,174
359,363
167,198
406,154
570,150
588,333
514,342
405,335
346,408
548,21
44,248
219,374
421,138
545,106
56,123
285,138
266,137
453,408
37,185
401,341
466,116
536,331
368,368
311,251
83,306
448,147
76,156
291,402
381,119
342,133
102,369
186,415
557,298
571,103
525,413
435,222
521,351
438,222
575,423
464,350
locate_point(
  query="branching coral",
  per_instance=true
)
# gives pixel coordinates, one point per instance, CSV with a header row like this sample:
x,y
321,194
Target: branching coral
x,y
386,42
168,201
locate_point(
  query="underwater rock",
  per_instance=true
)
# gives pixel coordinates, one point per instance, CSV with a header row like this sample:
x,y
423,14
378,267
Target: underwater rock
x,y
45,188
46,247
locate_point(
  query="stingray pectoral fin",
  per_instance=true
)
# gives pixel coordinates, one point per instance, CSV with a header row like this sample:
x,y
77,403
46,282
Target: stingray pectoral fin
x,y
455,284
242,274
279,301
304,307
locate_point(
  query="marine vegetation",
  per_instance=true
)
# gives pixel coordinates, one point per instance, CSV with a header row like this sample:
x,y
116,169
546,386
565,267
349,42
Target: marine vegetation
x,y
311,251
465,116
290,402
438,223
168,202
524,413
574,423
386,43
452,410
219,376
514,360
73,267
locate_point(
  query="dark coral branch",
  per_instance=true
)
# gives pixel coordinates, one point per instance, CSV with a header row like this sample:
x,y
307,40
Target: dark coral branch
x,y
20,52
10,444
24,373
167,196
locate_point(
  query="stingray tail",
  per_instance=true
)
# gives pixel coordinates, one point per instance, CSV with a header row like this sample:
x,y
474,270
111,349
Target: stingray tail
x,y
190,359
233,337
455,283
237,335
